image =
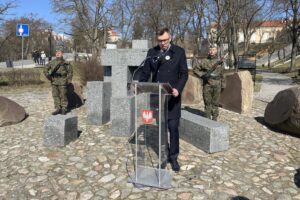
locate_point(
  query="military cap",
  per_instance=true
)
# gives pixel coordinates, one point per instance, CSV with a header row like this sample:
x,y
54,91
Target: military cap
x,y
60,47
213,45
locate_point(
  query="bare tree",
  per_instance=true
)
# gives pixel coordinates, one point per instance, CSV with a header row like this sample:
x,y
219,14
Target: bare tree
x,y
5,6
196,28
125,14
251,18
292,12
91,17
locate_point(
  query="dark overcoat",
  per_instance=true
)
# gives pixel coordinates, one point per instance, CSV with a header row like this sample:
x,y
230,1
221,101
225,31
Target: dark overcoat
x,y
167,67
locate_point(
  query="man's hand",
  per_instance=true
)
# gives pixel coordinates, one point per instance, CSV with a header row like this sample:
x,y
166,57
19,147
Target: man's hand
x,y
175,92
220,62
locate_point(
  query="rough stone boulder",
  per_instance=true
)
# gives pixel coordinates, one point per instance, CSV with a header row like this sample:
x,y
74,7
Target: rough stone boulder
x,y
192,93
238,94
283,112
10,112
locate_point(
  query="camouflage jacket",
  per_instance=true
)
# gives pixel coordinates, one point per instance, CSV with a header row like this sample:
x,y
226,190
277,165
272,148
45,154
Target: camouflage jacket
x,y
63,74
201,67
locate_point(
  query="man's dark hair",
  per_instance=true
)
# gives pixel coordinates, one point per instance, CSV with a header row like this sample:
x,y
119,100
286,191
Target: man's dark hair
x,y
162,31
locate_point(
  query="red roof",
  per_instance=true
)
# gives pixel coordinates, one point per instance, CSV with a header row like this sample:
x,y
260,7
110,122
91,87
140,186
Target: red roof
x,y
270,23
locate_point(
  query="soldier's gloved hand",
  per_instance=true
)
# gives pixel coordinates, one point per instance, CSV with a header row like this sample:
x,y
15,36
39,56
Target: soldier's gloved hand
x,y
220,62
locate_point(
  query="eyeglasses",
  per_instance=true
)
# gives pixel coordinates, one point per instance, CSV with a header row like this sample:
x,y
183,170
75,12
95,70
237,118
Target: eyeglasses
x,y
163,41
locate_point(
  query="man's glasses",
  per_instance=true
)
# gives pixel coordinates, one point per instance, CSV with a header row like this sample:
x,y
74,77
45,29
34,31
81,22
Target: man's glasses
x,y
164,41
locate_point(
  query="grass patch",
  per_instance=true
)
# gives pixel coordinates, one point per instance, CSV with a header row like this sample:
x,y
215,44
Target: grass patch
x,y
19,77
257,87
258,78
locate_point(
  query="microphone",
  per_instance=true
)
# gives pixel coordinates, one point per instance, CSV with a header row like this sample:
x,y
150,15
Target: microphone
x,y
157,57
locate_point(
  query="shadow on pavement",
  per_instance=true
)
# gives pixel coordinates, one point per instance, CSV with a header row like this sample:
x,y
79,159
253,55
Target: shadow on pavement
x,y
239,198
297,178
194,111
262,122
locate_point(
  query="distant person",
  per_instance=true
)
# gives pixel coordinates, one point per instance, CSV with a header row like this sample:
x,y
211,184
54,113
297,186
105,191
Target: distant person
x,y
34,56
167,64
43,58
60,73
38,57
210,70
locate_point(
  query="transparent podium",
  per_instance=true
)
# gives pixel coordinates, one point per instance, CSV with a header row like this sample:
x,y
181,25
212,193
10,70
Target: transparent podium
x,y
150,139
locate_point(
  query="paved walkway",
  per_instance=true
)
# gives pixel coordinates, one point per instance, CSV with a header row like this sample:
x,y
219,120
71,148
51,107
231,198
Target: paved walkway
x,y
261,164
271,84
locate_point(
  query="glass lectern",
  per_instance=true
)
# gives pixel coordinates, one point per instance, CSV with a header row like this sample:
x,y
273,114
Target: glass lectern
x,y
151,106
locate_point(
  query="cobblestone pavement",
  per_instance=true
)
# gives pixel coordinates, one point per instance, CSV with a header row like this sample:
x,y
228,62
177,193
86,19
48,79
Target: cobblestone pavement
x,y
260,164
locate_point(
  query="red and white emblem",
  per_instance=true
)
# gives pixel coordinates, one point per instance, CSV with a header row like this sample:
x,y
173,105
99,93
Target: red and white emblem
x,y
147,116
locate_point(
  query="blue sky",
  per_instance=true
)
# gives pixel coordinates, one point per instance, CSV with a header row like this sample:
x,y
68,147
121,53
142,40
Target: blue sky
x,y
39,9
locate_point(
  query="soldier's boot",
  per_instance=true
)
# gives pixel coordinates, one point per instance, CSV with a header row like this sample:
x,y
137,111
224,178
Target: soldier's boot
x,y
215,118
208,116
64,111
57,111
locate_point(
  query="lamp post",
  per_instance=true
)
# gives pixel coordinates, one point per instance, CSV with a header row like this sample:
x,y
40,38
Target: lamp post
x,y
50,43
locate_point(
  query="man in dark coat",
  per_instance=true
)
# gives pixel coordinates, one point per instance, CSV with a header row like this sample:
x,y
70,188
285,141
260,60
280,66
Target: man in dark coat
x,y
166,63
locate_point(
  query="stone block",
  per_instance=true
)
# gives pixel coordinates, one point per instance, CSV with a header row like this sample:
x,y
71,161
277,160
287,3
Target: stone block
x,y
98,102
123,116
205,134
140,44
60,130
238,94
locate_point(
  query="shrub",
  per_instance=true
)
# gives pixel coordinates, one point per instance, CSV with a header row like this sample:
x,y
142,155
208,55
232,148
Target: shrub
x,y
90,71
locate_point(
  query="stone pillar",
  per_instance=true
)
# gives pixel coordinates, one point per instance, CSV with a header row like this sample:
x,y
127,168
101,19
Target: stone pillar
x,y
60,130
123,116
98,102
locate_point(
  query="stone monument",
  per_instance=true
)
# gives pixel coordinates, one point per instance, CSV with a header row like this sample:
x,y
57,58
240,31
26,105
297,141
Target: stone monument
x,y
121,64
98,102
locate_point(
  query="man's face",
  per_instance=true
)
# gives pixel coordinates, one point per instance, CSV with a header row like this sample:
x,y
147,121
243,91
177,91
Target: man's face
x,y
58,54
164,41
212,51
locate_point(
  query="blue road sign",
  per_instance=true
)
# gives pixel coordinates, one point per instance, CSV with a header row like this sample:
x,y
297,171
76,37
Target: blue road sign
x,y
22,30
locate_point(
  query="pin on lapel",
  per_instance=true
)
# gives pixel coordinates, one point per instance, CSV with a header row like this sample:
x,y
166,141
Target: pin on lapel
x,y
167,57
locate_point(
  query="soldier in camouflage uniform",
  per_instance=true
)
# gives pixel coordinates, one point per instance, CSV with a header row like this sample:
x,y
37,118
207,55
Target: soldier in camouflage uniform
x,y
212,82
60,73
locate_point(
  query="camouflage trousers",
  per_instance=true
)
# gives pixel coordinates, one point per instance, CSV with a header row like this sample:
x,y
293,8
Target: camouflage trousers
x,y
59,94
211,97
